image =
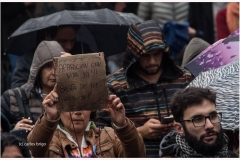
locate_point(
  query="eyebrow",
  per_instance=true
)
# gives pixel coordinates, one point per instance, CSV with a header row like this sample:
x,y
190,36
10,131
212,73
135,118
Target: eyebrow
x,y
203,115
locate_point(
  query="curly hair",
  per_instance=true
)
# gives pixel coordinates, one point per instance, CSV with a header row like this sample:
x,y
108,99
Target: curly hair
x,y
185,98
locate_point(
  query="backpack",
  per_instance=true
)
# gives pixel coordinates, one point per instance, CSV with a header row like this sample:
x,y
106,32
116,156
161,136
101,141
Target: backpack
x,y
22,102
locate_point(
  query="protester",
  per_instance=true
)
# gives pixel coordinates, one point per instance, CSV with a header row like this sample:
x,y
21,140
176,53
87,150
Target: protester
x,y
65,35
146,83
72,134
40,82
198,127
12,147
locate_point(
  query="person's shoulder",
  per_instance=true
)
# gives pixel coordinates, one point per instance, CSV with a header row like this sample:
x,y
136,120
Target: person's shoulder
x,y
118,80
117,76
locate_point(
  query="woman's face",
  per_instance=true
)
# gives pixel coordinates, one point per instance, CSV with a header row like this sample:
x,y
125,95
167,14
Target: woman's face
x,y
47,75
80,120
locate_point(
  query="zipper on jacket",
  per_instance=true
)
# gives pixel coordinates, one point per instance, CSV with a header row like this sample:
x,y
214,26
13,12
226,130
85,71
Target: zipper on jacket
x,y
154,88
166,100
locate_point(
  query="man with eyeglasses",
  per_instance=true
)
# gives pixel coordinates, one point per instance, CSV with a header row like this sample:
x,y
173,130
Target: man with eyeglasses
x,y
198,131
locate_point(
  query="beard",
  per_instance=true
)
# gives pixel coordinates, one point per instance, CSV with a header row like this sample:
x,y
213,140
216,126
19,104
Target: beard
x,y
144,70
203,148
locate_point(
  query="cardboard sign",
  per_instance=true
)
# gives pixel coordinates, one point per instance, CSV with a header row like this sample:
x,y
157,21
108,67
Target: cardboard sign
x,y
81,82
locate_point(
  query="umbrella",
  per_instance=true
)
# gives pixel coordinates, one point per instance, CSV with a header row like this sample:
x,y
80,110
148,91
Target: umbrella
x,y
225,82
108,29
218,54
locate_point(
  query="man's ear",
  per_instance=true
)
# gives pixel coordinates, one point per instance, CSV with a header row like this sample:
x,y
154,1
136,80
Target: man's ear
x,y
178,127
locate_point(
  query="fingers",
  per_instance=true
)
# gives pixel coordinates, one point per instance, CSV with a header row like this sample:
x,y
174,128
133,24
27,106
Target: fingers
x,y
154,121
65,54
114,102
55,88
24,124
50,99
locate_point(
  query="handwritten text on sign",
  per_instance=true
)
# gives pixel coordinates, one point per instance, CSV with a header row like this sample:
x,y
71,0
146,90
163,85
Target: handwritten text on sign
x,y
81,82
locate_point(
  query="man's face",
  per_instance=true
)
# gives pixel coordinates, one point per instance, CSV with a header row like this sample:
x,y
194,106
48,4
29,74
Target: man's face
x,y
66,37
150,63
207,139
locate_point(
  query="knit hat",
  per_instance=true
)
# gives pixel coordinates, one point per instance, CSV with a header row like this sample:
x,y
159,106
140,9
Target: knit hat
x,y
145,36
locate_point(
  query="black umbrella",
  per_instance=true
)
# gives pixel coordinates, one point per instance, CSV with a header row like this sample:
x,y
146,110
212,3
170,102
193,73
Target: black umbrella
x,y
107,28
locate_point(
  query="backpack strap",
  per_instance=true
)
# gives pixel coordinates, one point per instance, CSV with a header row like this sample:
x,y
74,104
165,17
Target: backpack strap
x,y
26,103
19,102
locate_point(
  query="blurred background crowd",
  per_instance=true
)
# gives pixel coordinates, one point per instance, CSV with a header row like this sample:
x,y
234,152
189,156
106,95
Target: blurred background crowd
x,y
207,20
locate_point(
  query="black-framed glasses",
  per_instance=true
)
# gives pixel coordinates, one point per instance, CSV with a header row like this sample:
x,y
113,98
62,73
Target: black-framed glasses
x,y
200,121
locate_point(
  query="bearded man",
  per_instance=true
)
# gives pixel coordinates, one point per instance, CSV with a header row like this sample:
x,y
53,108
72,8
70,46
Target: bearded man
x,y
146,82
198,132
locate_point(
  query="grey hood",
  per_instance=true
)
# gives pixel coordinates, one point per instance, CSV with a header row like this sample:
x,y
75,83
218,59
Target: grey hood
x,y
44,53
194,47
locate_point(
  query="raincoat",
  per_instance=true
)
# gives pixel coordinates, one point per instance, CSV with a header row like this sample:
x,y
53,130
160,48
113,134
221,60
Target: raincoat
x,y
9,107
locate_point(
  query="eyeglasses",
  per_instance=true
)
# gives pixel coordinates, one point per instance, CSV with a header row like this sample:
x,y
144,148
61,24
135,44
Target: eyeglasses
x,y
200,121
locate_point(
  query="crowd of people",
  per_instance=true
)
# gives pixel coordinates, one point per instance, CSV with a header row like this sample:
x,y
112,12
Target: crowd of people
x,y
149,86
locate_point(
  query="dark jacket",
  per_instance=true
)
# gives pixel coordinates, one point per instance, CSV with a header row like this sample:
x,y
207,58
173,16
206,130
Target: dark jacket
x,y
110,143
43,54
144,100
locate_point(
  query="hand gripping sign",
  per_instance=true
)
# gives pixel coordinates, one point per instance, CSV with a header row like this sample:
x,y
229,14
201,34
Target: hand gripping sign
x,y
81,82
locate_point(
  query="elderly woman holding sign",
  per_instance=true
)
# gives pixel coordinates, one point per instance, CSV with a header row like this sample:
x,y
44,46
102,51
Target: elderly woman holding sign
x,y
72,134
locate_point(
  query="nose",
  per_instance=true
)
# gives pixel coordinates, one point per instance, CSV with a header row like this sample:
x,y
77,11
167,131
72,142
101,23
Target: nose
x,y
53,71
77,112
152,59
208,124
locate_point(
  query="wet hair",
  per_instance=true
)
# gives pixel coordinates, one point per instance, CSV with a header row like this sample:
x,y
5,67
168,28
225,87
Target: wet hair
x,y
10,140
185,98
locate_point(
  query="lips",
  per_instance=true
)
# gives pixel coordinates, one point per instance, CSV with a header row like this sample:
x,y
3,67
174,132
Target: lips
x,y
53,80
152,67
77,120
210,136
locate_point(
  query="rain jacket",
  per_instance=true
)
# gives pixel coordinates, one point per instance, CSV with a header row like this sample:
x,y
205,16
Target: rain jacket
x,y
170,148
144,100
23,64
106,142
9,107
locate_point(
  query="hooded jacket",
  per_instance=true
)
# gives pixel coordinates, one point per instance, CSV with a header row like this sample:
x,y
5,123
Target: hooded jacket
x,y
144,100
44,53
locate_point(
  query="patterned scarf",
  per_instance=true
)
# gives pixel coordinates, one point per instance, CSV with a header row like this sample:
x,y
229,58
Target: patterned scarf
x,y
86,148
185,151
